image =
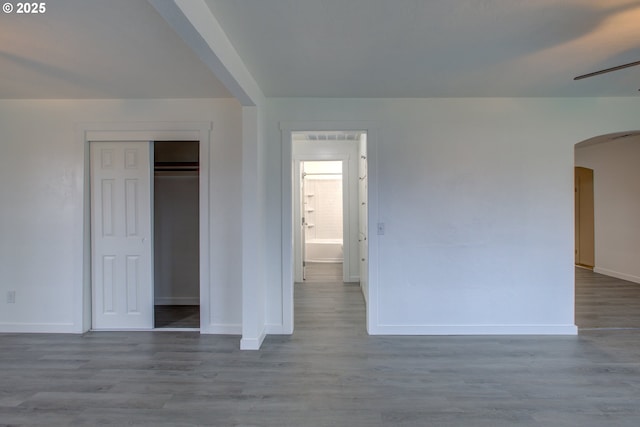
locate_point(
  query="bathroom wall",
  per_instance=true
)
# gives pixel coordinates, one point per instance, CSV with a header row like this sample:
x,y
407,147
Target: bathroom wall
x,y
323,211
323,200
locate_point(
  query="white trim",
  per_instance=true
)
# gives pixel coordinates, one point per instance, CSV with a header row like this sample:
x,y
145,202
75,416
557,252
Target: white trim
x,y
38,328
617,275
287,128
275,329
221,329
567,329
253,343
141,135
140,131
177,301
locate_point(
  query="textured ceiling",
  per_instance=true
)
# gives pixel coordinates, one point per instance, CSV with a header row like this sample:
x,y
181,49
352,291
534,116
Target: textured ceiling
x,y
99,49
438,48
328,48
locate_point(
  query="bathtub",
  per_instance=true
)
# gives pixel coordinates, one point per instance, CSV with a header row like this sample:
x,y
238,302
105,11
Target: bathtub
x,y
324,250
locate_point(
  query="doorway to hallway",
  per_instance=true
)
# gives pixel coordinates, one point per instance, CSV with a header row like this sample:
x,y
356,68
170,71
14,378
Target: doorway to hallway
x,y
360,138
330,208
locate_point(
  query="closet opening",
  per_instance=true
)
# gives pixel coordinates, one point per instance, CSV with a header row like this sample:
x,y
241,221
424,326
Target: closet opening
x,y
176,234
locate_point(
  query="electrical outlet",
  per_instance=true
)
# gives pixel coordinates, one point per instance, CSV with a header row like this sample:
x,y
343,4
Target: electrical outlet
x,y
11,297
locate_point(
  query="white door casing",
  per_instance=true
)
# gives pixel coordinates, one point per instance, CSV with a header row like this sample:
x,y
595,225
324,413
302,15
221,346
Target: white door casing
x,y
121,230
303,223
288,214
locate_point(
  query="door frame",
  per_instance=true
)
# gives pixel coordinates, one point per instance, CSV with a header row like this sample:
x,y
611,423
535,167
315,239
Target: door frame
x,y
346,211
287,255
140,131
584,231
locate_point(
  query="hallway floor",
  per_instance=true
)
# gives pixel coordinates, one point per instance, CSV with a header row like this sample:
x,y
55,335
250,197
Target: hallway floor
x,y
331,373
604,302
323,272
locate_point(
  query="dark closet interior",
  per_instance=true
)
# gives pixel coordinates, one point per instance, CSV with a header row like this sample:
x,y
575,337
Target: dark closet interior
x,y
176,234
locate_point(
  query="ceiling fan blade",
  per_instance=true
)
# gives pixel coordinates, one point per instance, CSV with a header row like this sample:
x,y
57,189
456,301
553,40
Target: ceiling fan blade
x,y
607,70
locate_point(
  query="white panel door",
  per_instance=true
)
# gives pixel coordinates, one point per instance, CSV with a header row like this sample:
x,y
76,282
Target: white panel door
x,y
121,239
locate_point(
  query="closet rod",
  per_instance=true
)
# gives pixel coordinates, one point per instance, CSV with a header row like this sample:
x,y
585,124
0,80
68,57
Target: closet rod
x,y
176,166
173,169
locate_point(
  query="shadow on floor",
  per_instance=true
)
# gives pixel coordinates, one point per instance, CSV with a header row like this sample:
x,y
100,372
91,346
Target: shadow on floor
x,y
177,316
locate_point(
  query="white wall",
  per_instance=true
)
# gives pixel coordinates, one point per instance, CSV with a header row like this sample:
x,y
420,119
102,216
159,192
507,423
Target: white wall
x,y
254,244
477,199
476,195
616,205
41,188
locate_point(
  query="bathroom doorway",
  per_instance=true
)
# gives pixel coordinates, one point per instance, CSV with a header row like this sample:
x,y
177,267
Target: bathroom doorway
x,y
322,208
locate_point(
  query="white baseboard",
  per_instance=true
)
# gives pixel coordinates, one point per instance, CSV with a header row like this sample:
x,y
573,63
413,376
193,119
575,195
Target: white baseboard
x,y
275,329
353,279
38,328
475,330
221,329
617,275
177,301
253,343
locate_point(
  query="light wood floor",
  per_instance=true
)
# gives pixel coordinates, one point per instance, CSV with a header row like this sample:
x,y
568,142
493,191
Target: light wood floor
x,y
605,302
329,373
323,272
